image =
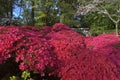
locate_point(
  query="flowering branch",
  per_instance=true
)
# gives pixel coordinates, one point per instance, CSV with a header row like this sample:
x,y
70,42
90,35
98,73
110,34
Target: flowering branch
x,y
96,6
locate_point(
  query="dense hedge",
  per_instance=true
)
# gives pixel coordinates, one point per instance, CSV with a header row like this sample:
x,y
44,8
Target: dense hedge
x,y
60,51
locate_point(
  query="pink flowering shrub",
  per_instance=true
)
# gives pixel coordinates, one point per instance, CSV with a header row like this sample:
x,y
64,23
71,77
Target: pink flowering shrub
x,y
107,44
60,51
35,55
79,63
59,27
8,35
46,29
28,46
65,41
89,66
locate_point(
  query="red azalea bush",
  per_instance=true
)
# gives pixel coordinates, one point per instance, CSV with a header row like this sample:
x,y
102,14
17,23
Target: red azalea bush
x,y
71,50
35,55
8,35
107,44
66,42
59,27
89,66
28,46
101,41
61,51
46,29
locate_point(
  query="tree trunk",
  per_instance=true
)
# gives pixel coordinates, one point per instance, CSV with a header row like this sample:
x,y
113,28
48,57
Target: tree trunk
x,y
11,11
61,18
32,13
116,26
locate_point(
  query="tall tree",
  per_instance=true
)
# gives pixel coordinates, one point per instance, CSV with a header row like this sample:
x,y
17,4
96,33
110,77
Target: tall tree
x,y
67,9
6,8
39,12
46,12
33,12
26,14
6,11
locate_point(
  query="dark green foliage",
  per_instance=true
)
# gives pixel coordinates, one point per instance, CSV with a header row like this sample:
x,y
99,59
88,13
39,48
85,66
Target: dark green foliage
x,y
98,23
9,68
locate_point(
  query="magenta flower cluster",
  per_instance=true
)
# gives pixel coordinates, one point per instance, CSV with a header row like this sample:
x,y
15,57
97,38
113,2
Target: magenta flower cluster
x,y
89,66
28,46
106,44
63,51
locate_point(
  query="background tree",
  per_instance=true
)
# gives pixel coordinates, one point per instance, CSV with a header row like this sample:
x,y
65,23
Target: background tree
x,y
6,8
109,9
67,9
48,12
7,16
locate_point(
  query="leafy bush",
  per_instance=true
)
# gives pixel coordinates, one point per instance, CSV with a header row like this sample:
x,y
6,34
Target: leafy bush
x,y
107,44
58,54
